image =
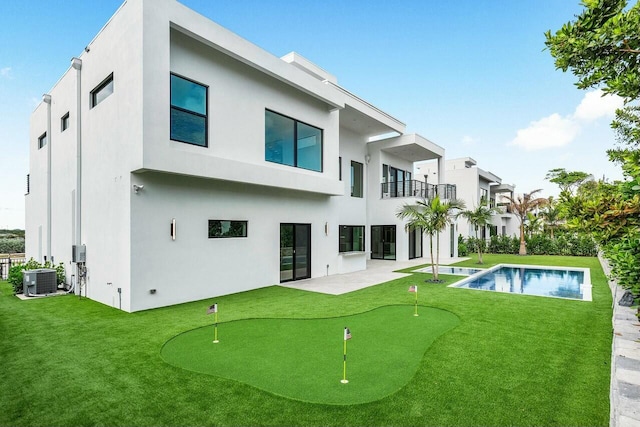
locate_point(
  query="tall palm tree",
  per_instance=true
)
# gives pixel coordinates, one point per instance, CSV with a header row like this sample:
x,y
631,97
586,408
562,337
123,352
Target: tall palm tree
x,y
522,205
432,216
478,217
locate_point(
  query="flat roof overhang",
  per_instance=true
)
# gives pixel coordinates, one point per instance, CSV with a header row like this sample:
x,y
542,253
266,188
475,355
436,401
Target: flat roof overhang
x,y
503,188
219,38
412,147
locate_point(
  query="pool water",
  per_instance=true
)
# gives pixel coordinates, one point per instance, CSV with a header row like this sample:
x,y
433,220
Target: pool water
x,y
544,281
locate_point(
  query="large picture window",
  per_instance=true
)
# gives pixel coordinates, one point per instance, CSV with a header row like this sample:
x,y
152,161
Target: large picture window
x,y
221,228
188,111
351,238
356,179
293,143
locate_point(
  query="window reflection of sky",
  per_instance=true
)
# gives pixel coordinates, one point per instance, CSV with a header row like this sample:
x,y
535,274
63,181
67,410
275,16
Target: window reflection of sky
x,y
530,281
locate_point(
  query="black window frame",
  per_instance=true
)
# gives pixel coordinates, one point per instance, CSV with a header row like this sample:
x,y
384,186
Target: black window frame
x,y
193,113
103,84
64,122
361,195
295,142
42,140
246,229
349,242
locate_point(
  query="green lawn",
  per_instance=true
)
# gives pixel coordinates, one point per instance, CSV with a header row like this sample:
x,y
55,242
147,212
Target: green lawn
x,y
511,360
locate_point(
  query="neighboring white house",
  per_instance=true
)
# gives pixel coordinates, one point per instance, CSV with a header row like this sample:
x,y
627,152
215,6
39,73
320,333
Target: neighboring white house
x,y
474,186
189,163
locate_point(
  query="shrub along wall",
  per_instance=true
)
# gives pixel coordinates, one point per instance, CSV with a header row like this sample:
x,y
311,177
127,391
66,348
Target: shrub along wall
x,y
573,244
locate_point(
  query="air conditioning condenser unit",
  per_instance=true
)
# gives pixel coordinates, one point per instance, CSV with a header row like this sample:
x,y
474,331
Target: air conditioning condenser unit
x,y
39,282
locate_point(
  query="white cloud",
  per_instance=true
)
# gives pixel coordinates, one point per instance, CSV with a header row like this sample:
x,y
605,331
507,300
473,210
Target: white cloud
x,y
594,106
468,140
5,72
558,131
548,132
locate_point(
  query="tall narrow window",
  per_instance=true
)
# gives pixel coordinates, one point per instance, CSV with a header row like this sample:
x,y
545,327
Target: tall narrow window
x,y
340,168
42,141
292,143
64,122
102,91
188,111
356,179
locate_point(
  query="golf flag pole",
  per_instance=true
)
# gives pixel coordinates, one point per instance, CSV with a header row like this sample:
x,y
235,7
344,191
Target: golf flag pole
x,y
214,310
347,336
414,288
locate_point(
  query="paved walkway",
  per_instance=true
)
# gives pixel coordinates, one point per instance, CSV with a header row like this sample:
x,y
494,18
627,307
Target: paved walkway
x,y
378,271
625,361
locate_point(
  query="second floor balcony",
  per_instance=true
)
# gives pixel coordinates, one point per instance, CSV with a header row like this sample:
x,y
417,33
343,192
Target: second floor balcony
x,y
418,189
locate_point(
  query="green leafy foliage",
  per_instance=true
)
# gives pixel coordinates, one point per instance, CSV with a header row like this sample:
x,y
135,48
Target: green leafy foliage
x,y
463,249
601,47
13,245
569,244
15,273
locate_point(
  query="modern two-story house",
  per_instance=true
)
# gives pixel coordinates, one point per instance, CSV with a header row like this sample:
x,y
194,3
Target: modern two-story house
x,y
175,161
476,186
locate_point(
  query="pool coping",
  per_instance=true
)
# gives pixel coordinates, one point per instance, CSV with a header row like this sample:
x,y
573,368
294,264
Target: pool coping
x,y
585,287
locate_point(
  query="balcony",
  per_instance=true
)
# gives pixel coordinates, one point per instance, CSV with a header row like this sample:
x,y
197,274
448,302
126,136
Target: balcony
x,y
419,189
503,209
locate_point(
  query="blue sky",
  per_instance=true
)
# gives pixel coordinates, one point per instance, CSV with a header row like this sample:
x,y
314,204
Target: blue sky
x,y
470,76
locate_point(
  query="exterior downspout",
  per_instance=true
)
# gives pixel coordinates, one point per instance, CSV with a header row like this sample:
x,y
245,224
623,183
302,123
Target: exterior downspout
x,y
76,63
46,98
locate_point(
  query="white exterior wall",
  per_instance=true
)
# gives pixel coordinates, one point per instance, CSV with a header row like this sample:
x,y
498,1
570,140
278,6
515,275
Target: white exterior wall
x,y
194,266
125,141
36,199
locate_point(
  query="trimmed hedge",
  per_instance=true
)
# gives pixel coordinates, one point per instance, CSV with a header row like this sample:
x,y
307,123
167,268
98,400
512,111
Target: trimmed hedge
x,y
570,244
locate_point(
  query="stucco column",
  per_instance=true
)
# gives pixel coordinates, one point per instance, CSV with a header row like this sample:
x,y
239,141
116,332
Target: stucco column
x,y
46,98
76,63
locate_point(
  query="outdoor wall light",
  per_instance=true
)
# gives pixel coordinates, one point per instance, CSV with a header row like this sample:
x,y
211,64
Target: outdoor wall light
x,y
152,291
137,188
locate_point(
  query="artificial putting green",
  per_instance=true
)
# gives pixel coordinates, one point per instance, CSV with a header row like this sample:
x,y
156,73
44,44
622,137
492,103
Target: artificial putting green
x,y
302,359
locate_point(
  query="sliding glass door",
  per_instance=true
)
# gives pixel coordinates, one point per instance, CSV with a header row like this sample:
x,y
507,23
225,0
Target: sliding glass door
x,y
383,242
295,252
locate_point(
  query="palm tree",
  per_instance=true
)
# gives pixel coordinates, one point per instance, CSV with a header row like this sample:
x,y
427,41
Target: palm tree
x,y
432,217
478,217
522,205
552,217
533,224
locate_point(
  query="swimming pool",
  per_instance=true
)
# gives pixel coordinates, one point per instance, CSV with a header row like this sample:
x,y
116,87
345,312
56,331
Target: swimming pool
x,y
456,271
558,282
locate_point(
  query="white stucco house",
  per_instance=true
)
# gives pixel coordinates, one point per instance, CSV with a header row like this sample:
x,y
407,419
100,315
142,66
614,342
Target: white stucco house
x,y
474,186
188,163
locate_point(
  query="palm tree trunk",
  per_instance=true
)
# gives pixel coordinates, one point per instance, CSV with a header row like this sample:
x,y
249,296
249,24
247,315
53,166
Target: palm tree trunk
x,y
479,247
438,250
434,270
523,246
